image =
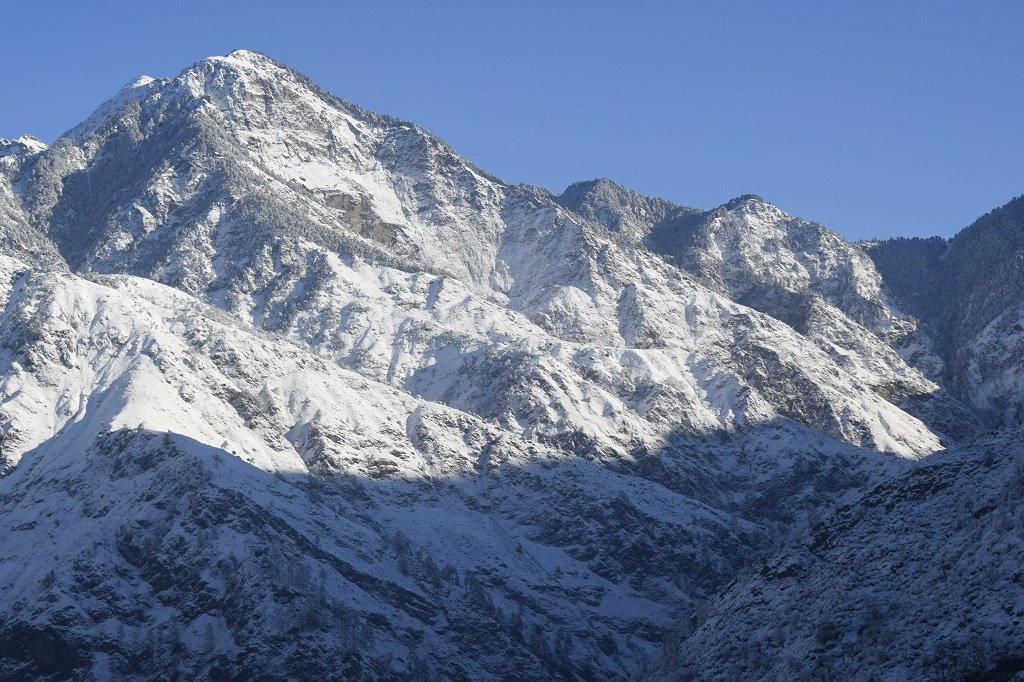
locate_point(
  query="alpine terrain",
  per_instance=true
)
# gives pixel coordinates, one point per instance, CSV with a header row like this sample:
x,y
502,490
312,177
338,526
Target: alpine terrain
x,y
291,390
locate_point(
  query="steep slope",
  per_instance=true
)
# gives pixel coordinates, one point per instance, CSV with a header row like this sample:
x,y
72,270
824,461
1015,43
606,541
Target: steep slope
x,y
18,236
798,272
626,213
968,293
244,184
920,579
912,269
200,497
983,271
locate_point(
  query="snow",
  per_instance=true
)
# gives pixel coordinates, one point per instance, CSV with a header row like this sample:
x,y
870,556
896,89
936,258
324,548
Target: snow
x,y
919,579
32,145
133,91
312,364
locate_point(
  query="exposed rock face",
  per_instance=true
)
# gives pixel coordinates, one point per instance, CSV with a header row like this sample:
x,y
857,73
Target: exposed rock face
x,y
290,388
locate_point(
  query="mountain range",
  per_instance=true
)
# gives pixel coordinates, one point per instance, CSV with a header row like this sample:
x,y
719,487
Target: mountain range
x,y
292,390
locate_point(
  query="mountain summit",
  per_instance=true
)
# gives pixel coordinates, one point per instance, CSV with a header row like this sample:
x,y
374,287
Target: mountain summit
x,y
291,388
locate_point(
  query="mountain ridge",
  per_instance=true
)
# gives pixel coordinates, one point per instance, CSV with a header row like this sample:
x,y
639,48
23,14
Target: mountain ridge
x,y
447,404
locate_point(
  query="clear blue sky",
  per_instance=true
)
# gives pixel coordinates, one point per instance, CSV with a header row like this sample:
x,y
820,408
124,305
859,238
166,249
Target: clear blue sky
x,y
876,118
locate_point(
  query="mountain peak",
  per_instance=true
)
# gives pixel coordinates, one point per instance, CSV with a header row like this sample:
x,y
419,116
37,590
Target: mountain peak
x,y
243,74
595,184
753,206
26,143
136,89
31,143
244,60
745,200
607,187
617,207
249,58
140,82
249,55
605,202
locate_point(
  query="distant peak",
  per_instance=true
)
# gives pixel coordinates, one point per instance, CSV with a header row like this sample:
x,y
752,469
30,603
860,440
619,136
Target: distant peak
x,y
135,90
247,64
594,184
604,187
589,188
247,58
31,143
138,87
248,55
745,200
26,143
140,82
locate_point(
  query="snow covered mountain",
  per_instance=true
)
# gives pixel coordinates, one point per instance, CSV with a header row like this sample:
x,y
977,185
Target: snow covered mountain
x,y
800,273
919,579
290,386
968,293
